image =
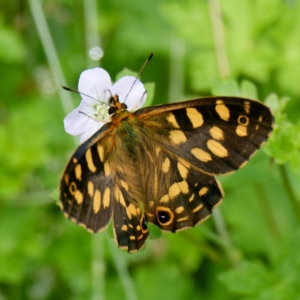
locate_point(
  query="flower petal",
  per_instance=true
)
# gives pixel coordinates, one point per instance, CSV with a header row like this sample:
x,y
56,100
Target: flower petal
x,y
94,83
76,122
87,134
136,95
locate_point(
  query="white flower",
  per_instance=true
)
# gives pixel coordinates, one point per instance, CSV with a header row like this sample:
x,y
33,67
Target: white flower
x,y
96,89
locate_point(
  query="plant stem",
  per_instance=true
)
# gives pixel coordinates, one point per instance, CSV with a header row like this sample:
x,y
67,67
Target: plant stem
x,y
219,38
230,251
176,71
51,53
267,210
98,267
290,193
92,37
118,258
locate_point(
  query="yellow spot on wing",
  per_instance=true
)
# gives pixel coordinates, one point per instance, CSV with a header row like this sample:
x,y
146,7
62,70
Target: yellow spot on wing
x,y
97,201
107,169
247,106
179,209
132,209
164,199
124,228
177,188
89,160
66,177
216,133
177,137
216,148
78,197
192,198
100,152
197,208
182,219
241,130
195,117
174,190
123,203
90,188
166,165
149,214
106,197
203,191
124,185
78,172
172,120
222,110
201,154
183,186
182,170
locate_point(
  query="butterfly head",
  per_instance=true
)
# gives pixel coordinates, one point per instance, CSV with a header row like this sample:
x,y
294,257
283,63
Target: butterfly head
x,y
115,105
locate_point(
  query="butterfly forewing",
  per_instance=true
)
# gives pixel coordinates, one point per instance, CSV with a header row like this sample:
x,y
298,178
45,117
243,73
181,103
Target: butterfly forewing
x,y
160,161
95,189
217,135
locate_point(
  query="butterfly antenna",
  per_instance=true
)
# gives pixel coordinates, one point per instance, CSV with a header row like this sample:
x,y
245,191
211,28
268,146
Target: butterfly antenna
x,y
138,75
77,92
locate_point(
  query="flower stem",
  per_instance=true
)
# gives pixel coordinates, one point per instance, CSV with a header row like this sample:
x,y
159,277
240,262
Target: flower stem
x,y
219,38
290,193
98,267
176,71
267,210
92,37
118,258
51,53
97,263
231,252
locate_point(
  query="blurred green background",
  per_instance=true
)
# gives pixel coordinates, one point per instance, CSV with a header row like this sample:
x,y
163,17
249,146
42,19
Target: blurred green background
x,y
250,248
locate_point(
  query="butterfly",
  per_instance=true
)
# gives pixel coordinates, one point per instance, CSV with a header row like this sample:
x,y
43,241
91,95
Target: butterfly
x,y
158,165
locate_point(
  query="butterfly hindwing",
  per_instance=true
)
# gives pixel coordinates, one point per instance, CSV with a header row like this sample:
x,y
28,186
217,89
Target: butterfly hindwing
x,y
130,229
216,134
178,195
94,189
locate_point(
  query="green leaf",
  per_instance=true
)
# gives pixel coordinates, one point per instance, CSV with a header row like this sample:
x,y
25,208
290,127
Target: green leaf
x,y
247,280
126,72
249,89
55,195
110,231
150,88
154,231
227,87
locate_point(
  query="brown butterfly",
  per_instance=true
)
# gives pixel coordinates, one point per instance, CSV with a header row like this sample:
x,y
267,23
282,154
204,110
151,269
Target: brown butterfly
x,y
158,165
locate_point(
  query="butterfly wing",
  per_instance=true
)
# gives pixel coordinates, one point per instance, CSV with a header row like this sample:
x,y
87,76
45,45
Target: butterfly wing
x,y
94,189
164,157
217,135
185,144
178,195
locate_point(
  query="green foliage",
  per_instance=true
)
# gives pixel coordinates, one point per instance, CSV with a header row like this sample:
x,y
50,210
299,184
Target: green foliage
x,y
279,280
284,144
249,249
